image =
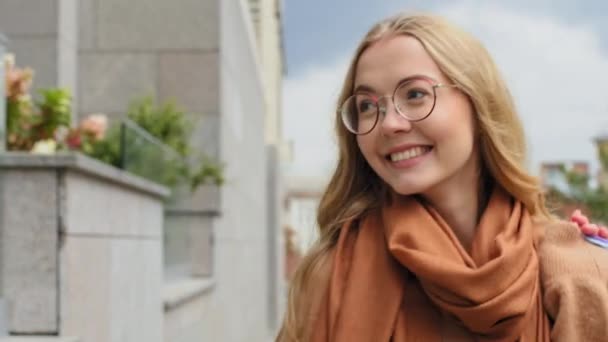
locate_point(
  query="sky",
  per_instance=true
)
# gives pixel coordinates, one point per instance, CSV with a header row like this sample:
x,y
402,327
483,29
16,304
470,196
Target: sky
x,y
552,54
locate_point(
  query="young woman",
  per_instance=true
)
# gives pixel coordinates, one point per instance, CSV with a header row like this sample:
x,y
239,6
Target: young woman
x,y
431,229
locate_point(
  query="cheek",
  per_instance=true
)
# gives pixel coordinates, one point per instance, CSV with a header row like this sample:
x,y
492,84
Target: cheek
x,y
453,135
365,145
452,121
452,132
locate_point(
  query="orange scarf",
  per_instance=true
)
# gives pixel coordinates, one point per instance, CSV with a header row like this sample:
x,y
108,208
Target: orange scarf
x,y
494,290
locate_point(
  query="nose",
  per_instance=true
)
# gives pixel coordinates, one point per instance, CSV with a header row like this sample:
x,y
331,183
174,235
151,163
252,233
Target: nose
x,y
391,122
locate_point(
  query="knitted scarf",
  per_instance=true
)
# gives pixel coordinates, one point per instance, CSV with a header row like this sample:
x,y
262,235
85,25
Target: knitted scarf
x,y
493,290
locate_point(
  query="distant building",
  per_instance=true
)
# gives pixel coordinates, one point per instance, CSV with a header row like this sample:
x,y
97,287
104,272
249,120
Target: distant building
x,y
601,143
267,22
293,254
561,196
301,203
552,173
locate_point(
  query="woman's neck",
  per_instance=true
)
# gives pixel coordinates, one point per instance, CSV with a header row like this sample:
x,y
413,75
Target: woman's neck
x,y
460,201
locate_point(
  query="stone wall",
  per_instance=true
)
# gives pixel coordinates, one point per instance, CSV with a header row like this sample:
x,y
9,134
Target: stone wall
x,y
238,308
81,249
203,55
162,49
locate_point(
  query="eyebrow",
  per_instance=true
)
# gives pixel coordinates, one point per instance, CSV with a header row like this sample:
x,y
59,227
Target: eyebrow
x,y
367,89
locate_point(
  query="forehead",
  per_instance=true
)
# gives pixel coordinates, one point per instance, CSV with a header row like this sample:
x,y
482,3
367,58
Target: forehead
x,y
383,64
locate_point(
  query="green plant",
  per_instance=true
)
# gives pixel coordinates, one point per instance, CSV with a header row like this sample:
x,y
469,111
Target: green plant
x,y
18,124
208,171
44,124
19,108
28,123
169,124
593,199
108,149
166,122
603,153
146,157
54,112
597,202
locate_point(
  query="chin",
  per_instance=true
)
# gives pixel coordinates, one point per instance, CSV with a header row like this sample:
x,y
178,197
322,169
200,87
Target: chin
x,y
414,184
407,189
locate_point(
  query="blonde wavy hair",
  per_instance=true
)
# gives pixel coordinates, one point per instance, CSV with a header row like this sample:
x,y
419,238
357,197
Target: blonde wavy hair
x,y
354,187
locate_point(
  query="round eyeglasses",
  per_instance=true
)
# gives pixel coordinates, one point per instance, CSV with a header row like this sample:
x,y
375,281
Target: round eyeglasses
x,y
414,99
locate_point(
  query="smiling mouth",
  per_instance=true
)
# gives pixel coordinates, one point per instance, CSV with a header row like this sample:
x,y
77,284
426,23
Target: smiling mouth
x,y
410,153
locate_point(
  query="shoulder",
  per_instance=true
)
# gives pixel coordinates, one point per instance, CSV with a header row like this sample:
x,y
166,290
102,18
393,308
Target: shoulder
x,y
574,283
563,251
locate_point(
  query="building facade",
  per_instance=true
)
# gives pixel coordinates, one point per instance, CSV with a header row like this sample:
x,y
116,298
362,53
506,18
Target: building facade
x,y
221,63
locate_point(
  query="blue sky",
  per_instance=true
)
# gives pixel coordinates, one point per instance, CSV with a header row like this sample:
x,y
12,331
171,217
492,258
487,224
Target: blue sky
x,y
553,54
318,30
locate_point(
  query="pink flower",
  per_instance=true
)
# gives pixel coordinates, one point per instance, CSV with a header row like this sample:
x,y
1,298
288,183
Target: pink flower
x,y
17,81
74,140
95,125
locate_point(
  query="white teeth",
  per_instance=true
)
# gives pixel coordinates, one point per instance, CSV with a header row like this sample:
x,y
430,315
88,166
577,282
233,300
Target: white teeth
x,y
409,154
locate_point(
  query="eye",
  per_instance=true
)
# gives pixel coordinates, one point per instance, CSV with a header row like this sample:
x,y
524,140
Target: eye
x,y
366,106
415,94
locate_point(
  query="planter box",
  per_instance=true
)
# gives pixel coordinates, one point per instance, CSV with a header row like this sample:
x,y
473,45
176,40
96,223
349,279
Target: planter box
x,y
81,249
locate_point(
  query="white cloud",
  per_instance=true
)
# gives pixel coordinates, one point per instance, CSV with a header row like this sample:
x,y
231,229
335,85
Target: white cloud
x,y
308,110
557,74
